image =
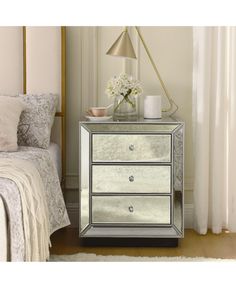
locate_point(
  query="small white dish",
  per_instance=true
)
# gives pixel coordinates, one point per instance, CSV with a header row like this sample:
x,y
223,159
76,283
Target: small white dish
x,y
98,119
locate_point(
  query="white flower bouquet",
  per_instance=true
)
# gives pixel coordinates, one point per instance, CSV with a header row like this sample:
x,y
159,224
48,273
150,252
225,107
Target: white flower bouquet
x,y
125,87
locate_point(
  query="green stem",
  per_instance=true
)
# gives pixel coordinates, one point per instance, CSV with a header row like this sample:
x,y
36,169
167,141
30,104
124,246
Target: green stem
x,y
125,98
119,104
129,101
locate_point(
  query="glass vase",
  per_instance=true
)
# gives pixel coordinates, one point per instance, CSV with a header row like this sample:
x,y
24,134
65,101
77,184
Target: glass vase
x,y
125,108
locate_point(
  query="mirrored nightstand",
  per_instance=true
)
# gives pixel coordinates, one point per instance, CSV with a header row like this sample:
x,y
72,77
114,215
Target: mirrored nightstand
x,y
131,182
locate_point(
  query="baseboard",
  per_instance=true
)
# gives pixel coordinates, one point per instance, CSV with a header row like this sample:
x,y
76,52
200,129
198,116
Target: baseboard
x,y
72,181
188,184
73,212
188,216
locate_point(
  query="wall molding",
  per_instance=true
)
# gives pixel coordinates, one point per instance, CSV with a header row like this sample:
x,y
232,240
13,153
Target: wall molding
x,y
89,68
73,212
72,181
188,216
188,184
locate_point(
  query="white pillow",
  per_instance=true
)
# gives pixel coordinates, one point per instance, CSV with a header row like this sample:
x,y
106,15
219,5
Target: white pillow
x,y
10,111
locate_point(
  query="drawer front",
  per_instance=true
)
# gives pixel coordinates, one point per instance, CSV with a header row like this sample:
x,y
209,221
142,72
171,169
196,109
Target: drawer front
x,y
131,209
131,179
125,148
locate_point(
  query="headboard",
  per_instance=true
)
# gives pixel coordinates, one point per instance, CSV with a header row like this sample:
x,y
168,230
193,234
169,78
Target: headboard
x,y
33,61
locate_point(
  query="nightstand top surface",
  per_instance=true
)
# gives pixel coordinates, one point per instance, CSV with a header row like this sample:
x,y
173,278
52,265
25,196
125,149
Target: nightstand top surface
x,y
164,125
140,120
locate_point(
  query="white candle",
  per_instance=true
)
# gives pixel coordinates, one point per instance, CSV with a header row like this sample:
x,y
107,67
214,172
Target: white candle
x,y
152,107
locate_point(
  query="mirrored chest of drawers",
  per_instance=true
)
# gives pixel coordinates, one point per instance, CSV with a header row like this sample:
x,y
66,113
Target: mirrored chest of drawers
x,y
131,181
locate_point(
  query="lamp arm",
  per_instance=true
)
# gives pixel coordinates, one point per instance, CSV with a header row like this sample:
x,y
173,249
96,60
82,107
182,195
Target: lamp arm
x,y
171,101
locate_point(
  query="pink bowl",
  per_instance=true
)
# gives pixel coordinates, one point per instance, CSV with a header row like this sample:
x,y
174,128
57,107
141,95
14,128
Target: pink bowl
x,y
98,111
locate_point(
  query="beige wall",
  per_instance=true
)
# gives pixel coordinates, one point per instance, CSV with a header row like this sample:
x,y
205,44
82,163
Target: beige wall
x,y
11,60
43,63
89,68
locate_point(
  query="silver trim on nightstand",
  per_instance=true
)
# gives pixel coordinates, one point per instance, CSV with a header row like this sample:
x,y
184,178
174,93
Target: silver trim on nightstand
x,y
129,194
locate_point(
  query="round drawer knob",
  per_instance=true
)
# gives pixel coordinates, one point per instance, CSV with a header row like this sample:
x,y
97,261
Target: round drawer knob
x,y
131,178
131,147
131,209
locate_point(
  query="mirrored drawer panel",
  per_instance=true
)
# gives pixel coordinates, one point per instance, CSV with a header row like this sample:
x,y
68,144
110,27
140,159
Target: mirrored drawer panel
x,y
124,148
131,179
131,209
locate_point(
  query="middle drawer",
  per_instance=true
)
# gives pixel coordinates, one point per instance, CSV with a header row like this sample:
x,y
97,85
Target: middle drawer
x,y
131,179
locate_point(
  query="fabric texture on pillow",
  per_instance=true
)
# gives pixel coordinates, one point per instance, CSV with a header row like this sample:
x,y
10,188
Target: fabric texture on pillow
x,y
37,119
10,111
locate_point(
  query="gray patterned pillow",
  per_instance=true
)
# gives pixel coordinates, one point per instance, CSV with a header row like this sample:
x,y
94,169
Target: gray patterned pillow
x,y
36,121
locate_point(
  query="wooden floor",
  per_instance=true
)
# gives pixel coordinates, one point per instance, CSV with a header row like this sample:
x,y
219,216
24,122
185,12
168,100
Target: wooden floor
x,y
66,241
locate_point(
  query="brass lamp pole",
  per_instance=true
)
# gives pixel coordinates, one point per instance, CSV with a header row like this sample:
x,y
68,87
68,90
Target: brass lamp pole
x,y
123,47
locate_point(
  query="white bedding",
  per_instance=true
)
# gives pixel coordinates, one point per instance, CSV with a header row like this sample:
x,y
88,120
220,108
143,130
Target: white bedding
x,y
3,232
55,205
55,153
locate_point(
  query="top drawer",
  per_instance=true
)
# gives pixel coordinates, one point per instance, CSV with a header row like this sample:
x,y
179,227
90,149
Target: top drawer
x,y
131,148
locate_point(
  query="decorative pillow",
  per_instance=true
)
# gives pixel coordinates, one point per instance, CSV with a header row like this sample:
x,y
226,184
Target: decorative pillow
x,y
37,119
10,111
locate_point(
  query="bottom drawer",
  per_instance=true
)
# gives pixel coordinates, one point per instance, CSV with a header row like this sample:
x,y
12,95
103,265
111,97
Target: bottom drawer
x,y
131,209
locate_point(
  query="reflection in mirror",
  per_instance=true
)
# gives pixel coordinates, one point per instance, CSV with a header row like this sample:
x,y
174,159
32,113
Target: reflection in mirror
x,y
84,200
178,179
144,148
178,210
123,198
131,209
142,128
131,179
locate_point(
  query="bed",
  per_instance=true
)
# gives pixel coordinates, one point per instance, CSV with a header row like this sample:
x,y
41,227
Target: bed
x,y
43,166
